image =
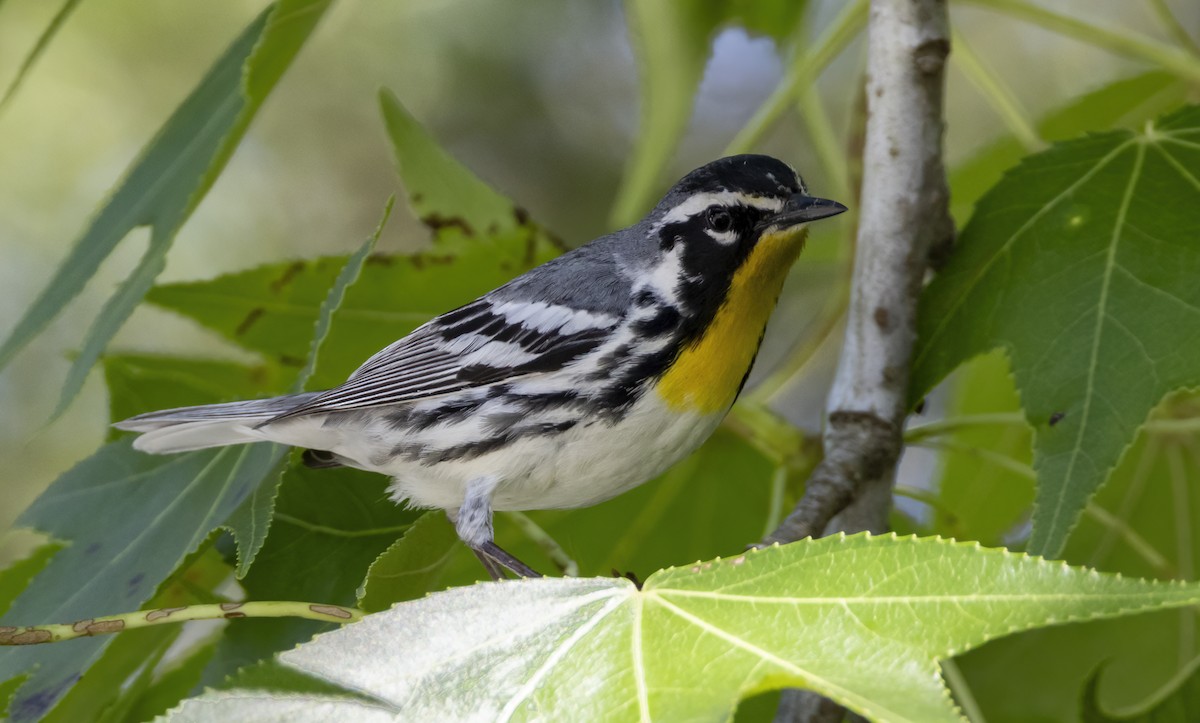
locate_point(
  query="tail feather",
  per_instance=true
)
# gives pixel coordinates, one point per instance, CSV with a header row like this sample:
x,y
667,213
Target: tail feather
x,y
211,425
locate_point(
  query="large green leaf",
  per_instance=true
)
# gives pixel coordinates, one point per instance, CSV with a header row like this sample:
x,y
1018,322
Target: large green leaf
x,y
861,620
1126,103
1140,524
672,42
1082,263
170,178
131,519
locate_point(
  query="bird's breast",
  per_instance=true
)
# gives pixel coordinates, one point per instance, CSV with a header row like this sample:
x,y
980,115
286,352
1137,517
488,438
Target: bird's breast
x,y
709,371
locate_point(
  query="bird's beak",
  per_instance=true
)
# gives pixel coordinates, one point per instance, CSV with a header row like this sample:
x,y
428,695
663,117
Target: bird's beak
x,y
801,209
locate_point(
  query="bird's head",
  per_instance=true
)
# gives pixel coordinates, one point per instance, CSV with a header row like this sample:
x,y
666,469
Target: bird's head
x,y
725,214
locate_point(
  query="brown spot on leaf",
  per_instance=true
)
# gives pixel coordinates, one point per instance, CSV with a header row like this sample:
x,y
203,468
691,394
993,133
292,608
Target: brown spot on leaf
x,y
521,215
332,611
248,322
234,616
31,637
436,222
286,277
161,613
1056,418
82,625
6,634
230,605
106,626
419,261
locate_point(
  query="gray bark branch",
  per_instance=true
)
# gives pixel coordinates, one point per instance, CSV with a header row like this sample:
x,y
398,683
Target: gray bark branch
x,y
904,214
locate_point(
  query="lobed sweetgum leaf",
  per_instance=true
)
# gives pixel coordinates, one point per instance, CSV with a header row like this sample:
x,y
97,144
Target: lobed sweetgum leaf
x,y
1082,264
862,620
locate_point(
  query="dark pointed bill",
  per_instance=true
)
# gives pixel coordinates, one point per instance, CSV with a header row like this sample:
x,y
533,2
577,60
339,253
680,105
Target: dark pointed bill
x,y
802,209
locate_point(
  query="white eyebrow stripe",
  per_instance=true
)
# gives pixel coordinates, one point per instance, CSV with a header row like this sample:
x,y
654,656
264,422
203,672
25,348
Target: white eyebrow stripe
x,y
697,203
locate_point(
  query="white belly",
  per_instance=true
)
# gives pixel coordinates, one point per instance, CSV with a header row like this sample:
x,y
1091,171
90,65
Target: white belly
x,y
577,468
582,466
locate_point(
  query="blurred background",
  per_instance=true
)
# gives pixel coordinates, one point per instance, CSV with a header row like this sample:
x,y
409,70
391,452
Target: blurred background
x,y
540,98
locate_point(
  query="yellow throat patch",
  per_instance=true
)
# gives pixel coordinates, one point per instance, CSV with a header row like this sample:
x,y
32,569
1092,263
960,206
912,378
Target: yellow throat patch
x,y
706,375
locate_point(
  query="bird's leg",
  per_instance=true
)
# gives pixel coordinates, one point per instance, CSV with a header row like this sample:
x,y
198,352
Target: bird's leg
x,y
473,522
494,570
507,559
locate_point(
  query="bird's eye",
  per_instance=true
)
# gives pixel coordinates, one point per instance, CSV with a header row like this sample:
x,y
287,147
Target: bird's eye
x,y
719,220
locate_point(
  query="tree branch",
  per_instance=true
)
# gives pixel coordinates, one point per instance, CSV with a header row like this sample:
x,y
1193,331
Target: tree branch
x,y
904,216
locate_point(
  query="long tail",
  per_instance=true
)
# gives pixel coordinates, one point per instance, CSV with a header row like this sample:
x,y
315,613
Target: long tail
x,y
210,425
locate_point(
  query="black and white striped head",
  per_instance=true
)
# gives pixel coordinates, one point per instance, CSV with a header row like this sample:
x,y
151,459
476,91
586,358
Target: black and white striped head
x,y
716,215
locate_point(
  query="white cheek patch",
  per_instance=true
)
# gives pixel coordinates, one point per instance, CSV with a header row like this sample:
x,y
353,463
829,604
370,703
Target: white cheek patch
x,y
725,238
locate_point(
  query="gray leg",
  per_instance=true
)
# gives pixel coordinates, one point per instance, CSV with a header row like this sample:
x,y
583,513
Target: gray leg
x,y
473,522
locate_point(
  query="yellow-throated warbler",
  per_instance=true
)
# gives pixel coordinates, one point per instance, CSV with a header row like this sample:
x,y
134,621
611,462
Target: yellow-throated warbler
x,y
568,385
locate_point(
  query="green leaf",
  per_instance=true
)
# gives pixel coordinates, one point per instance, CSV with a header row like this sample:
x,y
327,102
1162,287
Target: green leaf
x,y
483,242
1082,263
1140,524
442,193
328,527
412,566
140,383
671,40
251,522
131,519
128,661
1181,705
1126,103
170,178
861,620
15,577
172,685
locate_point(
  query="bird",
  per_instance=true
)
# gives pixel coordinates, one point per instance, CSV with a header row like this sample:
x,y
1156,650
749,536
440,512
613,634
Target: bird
x,y
574,382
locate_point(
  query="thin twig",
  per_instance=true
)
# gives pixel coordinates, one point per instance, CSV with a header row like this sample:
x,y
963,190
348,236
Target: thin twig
x,y
53,633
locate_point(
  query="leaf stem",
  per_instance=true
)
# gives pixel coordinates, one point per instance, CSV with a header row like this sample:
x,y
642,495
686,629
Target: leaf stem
x,y
1173,27
997,94
775,505
962,692
548,544
950,425
1125,43
53,633
836,36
